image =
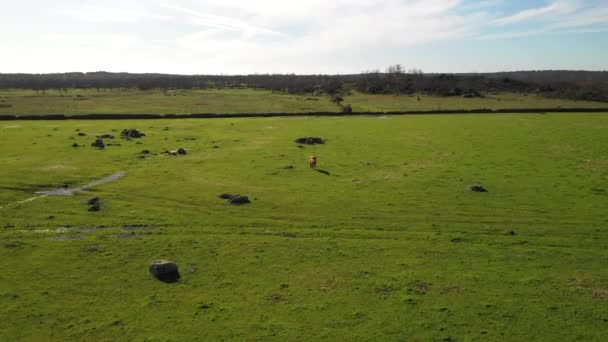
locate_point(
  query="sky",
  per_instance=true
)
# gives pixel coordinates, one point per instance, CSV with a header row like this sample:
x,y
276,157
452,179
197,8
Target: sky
x,y
301,36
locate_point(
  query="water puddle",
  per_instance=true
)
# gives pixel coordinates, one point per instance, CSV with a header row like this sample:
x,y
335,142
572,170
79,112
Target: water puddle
x,y
72,191
139,227
66,237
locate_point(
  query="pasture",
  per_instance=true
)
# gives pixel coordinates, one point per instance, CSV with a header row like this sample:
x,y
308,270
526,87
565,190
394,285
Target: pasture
x,y
132,101
423,102
231,101
387,244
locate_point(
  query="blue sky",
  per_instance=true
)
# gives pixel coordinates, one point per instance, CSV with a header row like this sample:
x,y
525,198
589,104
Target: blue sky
x,y
303,36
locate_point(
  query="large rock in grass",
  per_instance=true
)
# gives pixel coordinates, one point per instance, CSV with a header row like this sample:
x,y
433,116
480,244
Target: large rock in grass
x,y
310,141
478,188
238,200
165,271
99,144
93,201
131,133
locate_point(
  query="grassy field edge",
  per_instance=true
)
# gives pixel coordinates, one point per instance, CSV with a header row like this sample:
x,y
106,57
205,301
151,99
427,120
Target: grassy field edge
x,y
248,115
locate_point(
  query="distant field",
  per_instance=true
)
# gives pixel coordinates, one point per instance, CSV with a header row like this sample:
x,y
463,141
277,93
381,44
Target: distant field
x,y
23,102
158,102
388,103
389,245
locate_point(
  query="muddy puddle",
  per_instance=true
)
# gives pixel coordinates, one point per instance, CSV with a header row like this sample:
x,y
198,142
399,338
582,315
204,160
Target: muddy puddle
x,y
72,191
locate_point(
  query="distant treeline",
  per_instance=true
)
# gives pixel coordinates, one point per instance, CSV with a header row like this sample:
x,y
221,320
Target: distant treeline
x,y
579,85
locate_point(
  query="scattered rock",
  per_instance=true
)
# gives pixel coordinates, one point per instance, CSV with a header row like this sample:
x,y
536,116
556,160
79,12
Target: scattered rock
x,y
75,145
510,232
215,146
105,136
145,152
478,188
238,200
179,151
131,133
81,134
165,271
95,207
225,196
310,141
15,244
99,144
93,201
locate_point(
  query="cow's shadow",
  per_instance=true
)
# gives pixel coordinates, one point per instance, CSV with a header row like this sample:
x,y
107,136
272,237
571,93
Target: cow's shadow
x,y
323,172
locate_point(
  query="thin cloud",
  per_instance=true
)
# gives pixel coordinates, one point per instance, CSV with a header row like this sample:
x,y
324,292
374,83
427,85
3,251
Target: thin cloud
x,y
222,22
535,13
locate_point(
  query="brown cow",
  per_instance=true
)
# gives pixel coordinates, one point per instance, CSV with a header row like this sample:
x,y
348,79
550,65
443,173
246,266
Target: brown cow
x,y
312,162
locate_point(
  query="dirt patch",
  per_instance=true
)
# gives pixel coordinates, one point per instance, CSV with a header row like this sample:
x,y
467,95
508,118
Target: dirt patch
x,y
600,293
384,290
275,297
418,287
452,290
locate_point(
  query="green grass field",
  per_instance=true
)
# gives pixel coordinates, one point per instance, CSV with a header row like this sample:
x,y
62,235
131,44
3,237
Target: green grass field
x,y
229,101
125,101
390,246
421,102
